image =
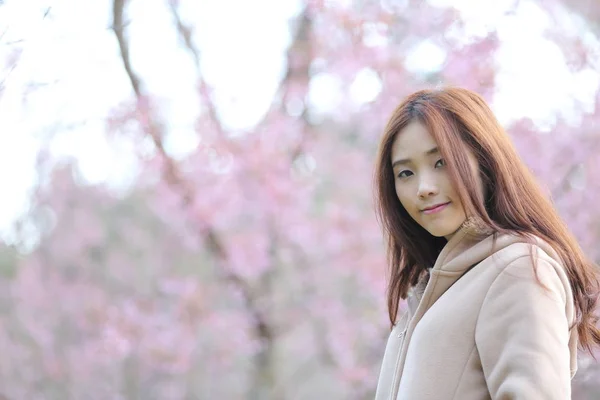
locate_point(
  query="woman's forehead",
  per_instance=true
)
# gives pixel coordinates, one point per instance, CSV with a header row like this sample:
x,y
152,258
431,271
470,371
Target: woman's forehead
x,y
413,141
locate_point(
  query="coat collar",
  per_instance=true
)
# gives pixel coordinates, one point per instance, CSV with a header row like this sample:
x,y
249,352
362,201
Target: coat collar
x,y
474,242
471,244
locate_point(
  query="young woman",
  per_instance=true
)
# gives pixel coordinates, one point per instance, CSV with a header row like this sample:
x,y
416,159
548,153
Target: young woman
x,y
499,294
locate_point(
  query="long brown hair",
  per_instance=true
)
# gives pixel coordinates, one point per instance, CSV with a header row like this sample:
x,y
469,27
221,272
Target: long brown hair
x,y
513,201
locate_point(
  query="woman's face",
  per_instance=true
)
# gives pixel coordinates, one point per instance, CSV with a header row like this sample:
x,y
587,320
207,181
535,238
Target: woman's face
x,y
423,184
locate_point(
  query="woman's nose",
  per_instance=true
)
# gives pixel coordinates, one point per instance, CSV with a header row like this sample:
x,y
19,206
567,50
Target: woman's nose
x,y
427,187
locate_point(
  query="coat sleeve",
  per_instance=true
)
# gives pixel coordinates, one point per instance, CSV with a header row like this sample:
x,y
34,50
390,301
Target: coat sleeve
x,y
522,333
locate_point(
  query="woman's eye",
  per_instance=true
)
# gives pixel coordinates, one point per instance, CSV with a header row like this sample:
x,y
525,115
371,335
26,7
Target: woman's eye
x,y
404,174
440,163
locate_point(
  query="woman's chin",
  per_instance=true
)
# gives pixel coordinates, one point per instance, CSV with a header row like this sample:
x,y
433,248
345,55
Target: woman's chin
x,y
443,230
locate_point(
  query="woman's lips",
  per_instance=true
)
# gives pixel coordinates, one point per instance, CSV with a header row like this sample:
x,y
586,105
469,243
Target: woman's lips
x,y
436,209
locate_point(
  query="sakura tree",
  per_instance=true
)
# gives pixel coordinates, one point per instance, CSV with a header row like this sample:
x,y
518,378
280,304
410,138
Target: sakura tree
x,y
253,266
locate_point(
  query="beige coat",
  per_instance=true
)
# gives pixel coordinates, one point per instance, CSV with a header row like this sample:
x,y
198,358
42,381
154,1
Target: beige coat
x,y
492,334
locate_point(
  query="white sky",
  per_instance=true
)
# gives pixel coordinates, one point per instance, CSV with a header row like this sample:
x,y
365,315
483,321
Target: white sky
x,y
75,54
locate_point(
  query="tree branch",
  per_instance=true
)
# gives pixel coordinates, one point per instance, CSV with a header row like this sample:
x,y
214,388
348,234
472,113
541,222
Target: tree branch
x,y
119,29
174,179
299,58
185,33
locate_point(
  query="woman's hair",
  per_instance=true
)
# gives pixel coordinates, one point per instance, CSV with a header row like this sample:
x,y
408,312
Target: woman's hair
x,y
512,202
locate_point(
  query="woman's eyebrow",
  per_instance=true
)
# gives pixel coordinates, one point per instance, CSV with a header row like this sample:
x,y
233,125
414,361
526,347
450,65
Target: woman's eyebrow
x,y
407,160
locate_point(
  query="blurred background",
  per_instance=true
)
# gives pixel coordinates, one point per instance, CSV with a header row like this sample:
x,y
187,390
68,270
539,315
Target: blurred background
x,y
186,207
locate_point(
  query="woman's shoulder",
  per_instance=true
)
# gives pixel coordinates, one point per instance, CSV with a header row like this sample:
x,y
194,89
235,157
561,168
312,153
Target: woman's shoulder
x,y
518,247
531,258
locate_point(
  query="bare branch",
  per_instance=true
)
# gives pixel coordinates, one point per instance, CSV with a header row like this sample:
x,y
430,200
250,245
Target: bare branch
x,y
185,33
119,29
